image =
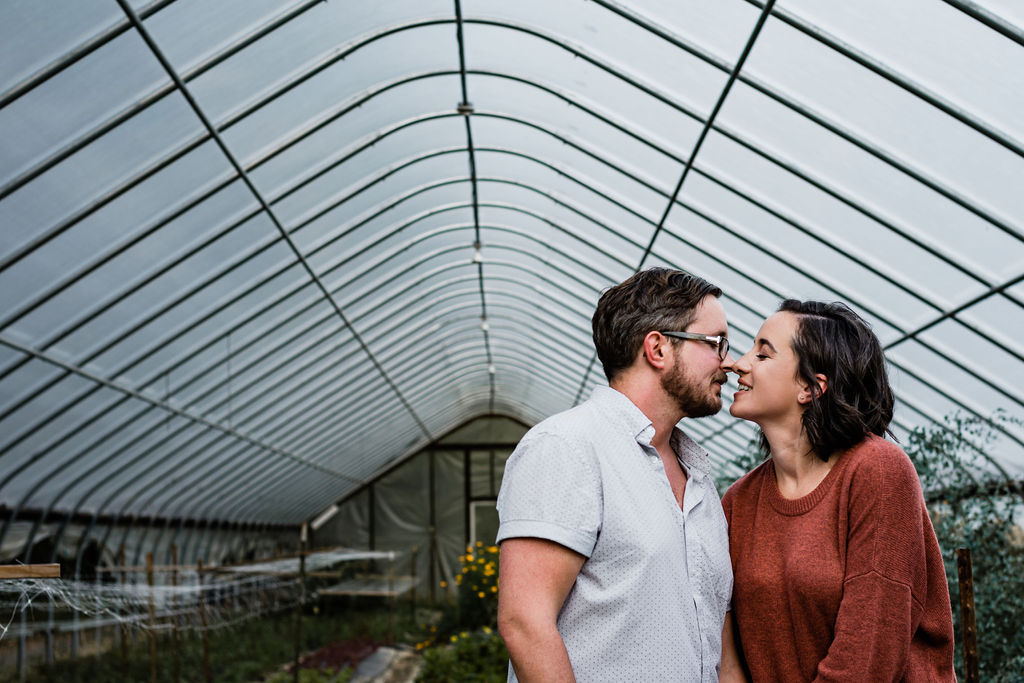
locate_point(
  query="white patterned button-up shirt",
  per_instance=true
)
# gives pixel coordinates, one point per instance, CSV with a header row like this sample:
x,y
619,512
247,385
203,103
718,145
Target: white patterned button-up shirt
x,y
650,600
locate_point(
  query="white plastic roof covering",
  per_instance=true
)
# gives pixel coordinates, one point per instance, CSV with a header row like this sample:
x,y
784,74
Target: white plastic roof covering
x,y
252,251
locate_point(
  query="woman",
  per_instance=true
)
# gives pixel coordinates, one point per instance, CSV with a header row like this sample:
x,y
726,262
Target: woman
x,y
838,575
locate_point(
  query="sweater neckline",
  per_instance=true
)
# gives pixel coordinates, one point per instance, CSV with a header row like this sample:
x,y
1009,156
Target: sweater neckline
x,y
804,504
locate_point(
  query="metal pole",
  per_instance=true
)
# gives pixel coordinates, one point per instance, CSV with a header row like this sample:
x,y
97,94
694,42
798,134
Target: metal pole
x,y
302,598
176,663
202,620
152,618
967,622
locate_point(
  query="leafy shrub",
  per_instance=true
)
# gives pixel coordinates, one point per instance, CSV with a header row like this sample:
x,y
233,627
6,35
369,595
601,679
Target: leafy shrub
x,y
972,505
466,646
478,657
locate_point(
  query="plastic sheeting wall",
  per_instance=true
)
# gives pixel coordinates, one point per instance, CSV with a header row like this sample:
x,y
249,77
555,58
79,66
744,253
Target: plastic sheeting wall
x,y
397,512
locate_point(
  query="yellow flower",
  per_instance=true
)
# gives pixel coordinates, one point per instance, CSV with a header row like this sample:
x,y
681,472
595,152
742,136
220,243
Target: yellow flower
x,y
494,589
464,634
444,584
454,638
469,558
487,630
492,549
419,646
479,544
433,629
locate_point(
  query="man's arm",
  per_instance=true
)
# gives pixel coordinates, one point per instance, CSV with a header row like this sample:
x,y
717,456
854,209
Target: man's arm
x,y
536,576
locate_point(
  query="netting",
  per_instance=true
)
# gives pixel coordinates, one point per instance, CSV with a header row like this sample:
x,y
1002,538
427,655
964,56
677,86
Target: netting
x,y
166,598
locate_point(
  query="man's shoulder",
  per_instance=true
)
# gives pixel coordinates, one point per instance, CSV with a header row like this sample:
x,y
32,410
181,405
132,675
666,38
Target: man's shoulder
x,y
576,423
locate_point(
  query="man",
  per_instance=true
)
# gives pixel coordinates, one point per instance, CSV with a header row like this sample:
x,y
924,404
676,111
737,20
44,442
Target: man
x,y
614,551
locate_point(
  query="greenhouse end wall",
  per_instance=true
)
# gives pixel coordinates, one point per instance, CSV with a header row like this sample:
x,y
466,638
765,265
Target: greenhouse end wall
x,y
431,506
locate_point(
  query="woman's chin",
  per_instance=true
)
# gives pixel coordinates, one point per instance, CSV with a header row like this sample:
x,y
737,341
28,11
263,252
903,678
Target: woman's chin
x,y
737,411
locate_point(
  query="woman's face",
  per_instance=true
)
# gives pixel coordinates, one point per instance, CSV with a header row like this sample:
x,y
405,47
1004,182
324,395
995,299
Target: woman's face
x,y
769,391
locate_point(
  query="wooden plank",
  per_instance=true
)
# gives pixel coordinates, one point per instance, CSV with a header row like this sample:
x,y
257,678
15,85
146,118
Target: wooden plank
x,y
967,621
30,571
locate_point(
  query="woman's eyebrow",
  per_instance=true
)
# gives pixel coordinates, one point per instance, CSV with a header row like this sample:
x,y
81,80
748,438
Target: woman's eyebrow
x,y
764,342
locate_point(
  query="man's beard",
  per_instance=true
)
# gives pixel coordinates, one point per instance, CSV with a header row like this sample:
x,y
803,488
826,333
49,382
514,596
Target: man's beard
x,y
692,399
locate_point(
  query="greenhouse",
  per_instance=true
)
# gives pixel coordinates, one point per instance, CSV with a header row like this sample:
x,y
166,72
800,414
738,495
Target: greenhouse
x,y
284,283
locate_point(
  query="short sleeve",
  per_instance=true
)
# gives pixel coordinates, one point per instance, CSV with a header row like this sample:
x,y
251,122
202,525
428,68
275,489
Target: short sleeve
x,y
551,490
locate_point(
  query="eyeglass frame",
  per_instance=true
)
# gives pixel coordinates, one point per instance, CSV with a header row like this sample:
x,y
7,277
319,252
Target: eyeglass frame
x,y
719,340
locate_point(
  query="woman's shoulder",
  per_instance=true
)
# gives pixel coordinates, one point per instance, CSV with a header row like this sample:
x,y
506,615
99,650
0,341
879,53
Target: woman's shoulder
x,y
750,480
876,461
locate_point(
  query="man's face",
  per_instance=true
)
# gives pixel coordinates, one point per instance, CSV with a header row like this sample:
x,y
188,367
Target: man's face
x,y
696,377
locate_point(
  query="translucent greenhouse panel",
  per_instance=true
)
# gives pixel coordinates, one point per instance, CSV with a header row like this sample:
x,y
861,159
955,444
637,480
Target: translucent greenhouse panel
x,y
548,55
284,315
39,123
527,335
974,353
35,36
838,275
967,390
952,59
132,313
307,400
414,303
45,417
189,32
1001,317
396,247
603,172
170,454
569,247
524,289
565,304
966,230
612,206
756,291
955,48
414,119
170,486
855,226
563,118
583,219
410,158
312,40
95,446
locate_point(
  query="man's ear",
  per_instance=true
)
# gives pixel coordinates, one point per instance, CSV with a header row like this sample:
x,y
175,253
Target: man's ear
x,y
804,396
654,349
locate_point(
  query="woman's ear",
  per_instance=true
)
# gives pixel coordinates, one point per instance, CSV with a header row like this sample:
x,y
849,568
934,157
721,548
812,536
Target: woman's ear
x,y
654,349
805,394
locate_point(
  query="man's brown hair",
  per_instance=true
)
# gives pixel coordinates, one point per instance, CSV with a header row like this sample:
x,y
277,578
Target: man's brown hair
x,y
652,299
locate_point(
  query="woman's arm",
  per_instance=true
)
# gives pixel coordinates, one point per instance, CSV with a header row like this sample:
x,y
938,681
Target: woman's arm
x,y
732,670
889,545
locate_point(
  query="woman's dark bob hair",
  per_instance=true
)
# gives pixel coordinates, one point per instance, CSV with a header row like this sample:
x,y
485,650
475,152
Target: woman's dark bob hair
x,y
832,340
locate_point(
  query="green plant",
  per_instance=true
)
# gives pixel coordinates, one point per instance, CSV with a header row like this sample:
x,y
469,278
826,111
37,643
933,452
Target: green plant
x,y
972,504
314,676
478,657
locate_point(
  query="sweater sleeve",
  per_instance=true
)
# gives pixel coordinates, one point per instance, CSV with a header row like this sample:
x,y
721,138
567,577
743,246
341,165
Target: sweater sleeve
x,y
886,569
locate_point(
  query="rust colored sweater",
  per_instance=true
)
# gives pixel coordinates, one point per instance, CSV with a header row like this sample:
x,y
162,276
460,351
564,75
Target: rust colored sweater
x,y
845,583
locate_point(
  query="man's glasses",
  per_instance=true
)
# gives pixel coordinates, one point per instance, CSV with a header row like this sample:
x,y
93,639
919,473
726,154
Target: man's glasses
x,y
721,342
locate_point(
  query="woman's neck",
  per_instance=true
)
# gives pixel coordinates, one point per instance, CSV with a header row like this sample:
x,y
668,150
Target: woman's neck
x,y
798,469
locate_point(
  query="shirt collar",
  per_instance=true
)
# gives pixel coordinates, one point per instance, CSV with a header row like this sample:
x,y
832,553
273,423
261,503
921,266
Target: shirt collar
x,y
617,404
